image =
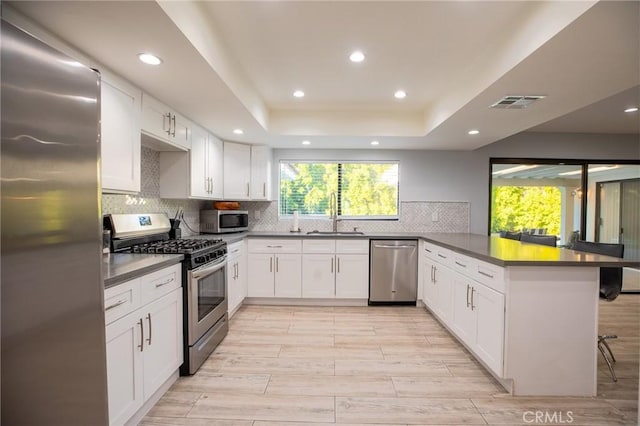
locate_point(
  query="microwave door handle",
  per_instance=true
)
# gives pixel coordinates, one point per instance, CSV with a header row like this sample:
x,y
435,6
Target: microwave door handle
x,y
199,273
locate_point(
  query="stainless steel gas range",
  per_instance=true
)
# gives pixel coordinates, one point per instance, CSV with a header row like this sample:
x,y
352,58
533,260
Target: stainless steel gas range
x,y
204,278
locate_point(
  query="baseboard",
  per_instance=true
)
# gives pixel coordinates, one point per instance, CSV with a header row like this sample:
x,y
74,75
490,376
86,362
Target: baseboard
x,y
139,415
281,301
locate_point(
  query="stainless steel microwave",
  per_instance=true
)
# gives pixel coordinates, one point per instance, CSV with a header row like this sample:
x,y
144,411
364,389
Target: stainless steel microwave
x,y
223,221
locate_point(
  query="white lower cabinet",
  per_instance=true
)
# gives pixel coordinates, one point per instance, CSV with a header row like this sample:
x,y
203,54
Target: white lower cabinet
x,y
144,340
236,275
335,269
275,268
478,320
474,312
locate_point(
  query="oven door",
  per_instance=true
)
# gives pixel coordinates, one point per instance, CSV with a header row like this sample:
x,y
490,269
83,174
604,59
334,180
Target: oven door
x,y
207,297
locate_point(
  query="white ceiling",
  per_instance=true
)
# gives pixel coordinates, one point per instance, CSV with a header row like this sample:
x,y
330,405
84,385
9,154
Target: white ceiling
x,y
235,64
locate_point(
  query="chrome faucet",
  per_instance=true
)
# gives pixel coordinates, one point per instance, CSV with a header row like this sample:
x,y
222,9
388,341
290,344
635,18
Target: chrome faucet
x,y
333,210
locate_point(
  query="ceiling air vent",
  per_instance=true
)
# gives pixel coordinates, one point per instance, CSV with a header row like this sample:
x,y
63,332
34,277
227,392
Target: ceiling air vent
x,y
516,101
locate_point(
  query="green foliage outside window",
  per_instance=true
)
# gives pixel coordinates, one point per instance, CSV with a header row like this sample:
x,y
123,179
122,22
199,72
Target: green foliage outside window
x,y
516,207
362,189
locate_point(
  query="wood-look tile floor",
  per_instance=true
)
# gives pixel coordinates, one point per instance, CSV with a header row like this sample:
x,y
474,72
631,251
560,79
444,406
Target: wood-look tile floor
x,y
379,365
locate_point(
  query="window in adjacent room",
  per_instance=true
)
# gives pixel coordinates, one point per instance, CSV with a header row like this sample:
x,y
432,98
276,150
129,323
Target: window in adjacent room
x,y
364,190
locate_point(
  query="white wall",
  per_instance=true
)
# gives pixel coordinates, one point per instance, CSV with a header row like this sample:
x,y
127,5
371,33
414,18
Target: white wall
x,y
464,175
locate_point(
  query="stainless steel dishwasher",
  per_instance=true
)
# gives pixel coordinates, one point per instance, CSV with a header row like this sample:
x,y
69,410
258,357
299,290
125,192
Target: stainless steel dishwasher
x,y
393,271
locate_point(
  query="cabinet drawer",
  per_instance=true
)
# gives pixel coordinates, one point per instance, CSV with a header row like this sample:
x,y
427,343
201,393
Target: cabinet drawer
x,y
464,264
234,250
159,283
275,246
121,299
489,274
352,246
319,246
443,256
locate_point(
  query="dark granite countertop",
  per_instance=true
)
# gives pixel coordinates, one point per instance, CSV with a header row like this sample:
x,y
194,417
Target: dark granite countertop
x,y
120,267
506,252
496,250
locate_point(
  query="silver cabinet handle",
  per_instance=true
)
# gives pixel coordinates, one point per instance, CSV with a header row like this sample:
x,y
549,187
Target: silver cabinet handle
x,y
338,265
427,250
467,295
264,189
274,246
472,291
277,259
332,265
485,274
442,256
170,280
168,116
247,189
141,345
173,119
115,305
394,247
237,270
461,264
271,264
149,338
435,279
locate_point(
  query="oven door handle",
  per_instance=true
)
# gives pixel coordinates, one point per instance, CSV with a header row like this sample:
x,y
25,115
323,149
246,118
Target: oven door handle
x,y
208,269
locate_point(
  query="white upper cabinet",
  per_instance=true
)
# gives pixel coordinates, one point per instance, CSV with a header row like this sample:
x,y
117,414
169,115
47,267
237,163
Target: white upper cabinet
x,y
120,135
161,122
260,172
196,173
237,171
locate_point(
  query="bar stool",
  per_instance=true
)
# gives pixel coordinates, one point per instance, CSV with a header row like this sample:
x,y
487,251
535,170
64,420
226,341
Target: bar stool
x,y
610,288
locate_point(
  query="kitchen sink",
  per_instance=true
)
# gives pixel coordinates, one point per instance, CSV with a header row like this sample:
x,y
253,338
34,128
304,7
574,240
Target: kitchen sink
x,y
335,233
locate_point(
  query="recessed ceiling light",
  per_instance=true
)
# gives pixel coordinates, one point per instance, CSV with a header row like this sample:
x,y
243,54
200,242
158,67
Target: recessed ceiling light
x,y
473,132
400,94
149,59
375,143
632,109
306,143
357,56
298,94
238,131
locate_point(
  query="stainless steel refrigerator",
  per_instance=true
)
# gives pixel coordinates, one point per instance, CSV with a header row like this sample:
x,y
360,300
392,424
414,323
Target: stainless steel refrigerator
x,y
53,363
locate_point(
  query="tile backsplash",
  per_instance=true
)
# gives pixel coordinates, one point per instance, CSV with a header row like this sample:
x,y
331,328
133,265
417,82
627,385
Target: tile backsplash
x,y
414,216
149,201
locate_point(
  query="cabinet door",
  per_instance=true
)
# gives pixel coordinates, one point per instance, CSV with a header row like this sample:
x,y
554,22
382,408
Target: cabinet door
x,y
162,354
288,276
242,274
181,129
463,321
124,368
489,308
237,171
318,275
199,161
352,276
444,277
233,290
429,288
261,275
260,172
156,118
215,166
120,133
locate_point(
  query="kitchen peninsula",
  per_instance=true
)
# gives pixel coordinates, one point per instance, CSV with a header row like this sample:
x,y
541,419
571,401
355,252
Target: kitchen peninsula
x,y
529,313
